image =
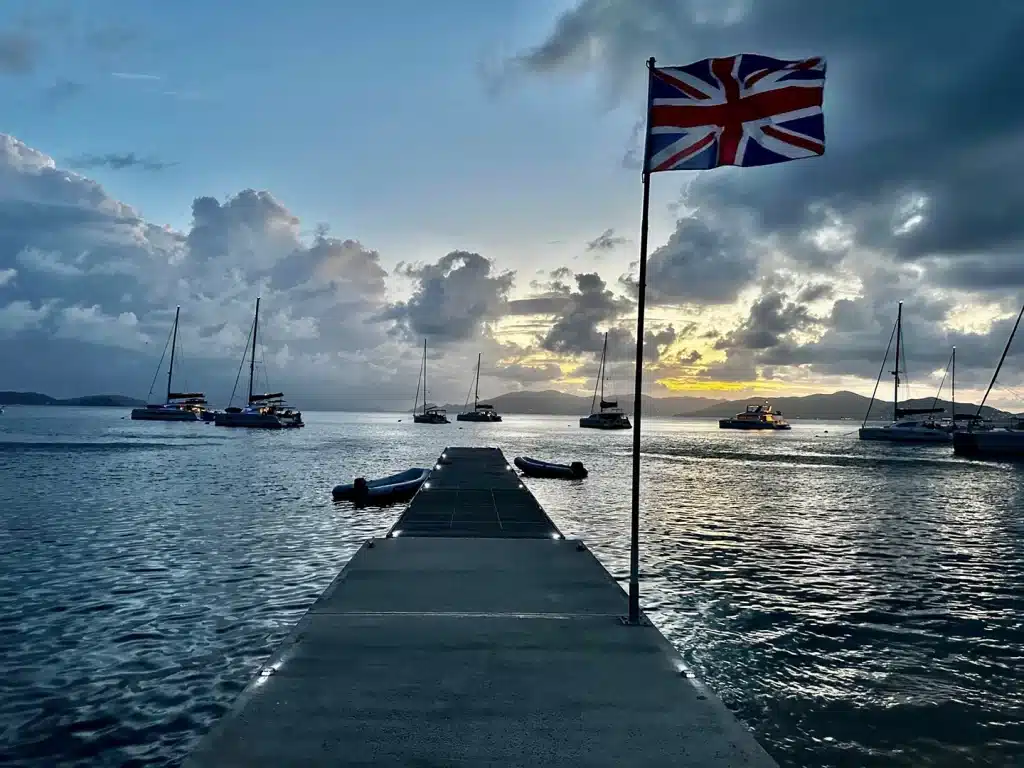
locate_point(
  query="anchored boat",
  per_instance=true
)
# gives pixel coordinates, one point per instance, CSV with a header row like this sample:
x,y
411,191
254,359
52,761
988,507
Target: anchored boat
x,y
992,443
481,411
761,416
608,415
385,490
536,468
178,406
430,414
909,425
267,411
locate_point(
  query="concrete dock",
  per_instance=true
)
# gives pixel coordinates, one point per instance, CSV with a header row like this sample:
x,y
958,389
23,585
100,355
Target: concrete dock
x,y
475,635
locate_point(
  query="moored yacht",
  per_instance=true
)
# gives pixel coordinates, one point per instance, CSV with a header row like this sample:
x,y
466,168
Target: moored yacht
x,y
481,411
267,411
756,416
608,415
177,406
992,443
909,425
430,414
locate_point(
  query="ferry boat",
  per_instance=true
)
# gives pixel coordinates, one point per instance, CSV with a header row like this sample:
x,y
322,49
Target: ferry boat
x,y
756,417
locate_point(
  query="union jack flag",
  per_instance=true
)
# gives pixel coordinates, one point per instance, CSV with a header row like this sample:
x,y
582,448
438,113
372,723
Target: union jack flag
x,y
740,110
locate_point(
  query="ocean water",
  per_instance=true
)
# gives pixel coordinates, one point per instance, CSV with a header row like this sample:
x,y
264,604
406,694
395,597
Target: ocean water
x,y
854,604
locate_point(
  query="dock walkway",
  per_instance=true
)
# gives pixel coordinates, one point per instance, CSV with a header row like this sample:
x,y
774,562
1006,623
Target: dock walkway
x,y
475,635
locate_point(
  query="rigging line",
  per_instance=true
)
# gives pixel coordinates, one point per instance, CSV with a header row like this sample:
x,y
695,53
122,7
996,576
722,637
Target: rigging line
x,y
906,375
158,367
241,364
881,370
419,382
945,373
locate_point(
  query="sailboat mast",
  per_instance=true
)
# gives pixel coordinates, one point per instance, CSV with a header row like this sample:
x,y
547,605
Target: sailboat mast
x,y
252,361
424,375
952,387
174,343
604,359
476,388
896,373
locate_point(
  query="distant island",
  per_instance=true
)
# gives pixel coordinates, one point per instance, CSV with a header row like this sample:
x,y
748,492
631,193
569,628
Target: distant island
x,y
99,401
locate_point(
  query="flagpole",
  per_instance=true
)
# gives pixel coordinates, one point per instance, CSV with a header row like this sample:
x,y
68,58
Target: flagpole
x,y
634,527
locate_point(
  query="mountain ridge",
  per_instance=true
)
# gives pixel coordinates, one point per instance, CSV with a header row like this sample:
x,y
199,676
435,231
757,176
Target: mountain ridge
x,y
98,401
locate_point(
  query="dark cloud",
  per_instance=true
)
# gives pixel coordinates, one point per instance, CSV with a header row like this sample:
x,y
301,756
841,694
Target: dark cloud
x,y
815,292
590,309
705,261
19,53
893,170
606,241
118,161
772,318
453,299
526,374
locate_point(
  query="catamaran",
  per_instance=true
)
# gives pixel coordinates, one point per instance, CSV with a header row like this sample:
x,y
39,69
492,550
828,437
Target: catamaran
x,y
907,425
481,411
609,415
430,414
266,411
177,406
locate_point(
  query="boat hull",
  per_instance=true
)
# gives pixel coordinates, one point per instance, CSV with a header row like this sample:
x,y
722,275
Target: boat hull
x,y
430,418
165,414
596,422
248,420
994,443
478,417
534,468
759,425
890,435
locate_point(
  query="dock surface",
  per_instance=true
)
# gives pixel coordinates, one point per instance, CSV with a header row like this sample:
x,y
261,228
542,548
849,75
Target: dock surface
x,y
476,636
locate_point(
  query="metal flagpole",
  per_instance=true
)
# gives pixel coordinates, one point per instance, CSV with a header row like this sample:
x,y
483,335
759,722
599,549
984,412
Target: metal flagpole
x,y
634,527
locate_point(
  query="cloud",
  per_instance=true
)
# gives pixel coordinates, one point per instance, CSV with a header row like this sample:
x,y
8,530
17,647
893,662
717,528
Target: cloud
x,y
453,300
587,312
772,317
606,241
706,260
117,162
92,285
19,53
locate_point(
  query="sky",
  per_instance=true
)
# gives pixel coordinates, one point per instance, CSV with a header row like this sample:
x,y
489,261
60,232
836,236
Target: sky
x,y
380,173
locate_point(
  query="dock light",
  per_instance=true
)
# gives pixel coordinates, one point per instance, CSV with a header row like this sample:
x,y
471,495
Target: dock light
x,y
508,467
444,455
426,485
395,534
556,536
437,466
521,485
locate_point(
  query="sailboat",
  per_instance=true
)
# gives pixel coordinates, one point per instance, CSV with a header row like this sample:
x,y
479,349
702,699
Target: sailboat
x,y
481,411
906,426
177,406
609,415
266,411
433,414
982,441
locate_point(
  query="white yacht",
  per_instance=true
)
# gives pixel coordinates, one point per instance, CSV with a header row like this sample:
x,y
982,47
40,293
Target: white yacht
x,y
178,406
430,414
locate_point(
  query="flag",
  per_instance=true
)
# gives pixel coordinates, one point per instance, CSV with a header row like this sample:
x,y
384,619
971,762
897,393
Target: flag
x,y
741,110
